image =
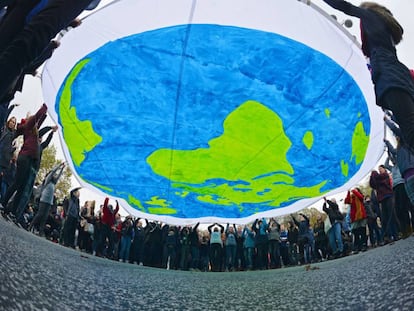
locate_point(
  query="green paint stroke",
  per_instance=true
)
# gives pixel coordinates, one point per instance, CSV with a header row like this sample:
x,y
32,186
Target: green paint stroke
x,y
308,139
95,184
79,135
161,211
135,202
252,148
360,140
344,168
161,206
328,112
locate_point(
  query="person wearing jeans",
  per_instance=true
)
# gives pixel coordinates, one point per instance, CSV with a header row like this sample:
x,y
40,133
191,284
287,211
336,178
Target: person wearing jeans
x,y
330,207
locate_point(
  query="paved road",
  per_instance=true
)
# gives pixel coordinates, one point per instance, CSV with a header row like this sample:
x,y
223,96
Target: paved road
x,y
39,275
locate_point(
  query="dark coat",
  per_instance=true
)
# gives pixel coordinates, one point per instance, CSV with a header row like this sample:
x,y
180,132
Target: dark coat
x,y
377,44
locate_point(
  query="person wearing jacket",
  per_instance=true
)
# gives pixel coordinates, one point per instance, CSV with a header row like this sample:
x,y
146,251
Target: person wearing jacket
x,y
72,218
304,238
7,147
46,198
394,85
331,208
28,162
402,168
231,247
248,246
108,226
274,243
216,246
358,217
380,181
127,235
260,228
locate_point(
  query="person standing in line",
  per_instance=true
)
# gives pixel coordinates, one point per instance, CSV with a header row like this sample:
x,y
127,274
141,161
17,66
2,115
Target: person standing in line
x,y
72,218
46,198
27,162
195,247
137,247
402,169
216,246
28,188
380,181
108,226
7,148
293,234
274,243
331,208
231,247
127,235
248,246
375,236
358,217
262,243
320,238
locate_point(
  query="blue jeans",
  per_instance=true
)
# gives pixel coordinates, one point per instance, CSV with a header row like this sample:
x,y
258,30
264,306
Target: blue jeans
x,y
21,205
375,234
125,248
335,238
274,251
248,257
230,256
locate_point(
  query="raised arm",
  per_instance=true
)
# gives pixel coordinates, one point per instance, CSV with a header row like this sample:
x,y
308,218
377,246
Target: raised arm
x,y
346,7
392,126
196,226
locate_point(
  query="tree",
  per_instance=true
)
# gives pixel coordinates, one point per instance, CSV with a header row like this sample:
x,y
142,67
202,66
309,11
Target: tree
x,y
48,162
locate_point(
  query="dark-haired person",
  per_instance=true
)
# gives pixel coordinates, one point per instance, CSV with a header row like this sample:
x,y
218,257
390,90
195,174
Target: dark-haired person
x,y
216,245
108,226
381,182
72,218
400,162
331,208
28,162
394,85
46,198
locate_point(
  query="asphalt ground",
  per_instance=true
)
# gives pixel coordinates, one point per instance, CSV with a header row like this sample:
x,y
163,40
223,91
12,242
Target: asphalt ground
x,y
36,274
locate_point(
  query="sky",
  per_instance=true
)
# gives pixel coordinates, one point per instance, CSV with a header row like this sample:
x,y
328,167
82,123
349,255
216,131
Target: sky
x,y
31,97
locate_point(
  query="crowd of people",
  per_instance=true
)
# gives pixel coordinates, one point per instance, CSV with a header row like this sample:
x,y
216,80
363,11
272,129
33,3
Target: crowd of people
x,y
296,239
383,216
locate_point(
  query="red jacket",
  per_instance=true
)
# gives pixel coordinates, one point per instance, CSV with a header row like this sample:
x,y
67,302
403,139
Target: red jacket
x,y
30,132
108,217
356,200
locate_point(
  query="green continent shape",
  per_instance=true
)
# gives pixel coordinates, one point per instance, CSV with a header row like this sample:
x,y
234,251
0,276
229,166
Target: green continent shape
x,y
160,206
79,135
252,149
360,140
308,139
